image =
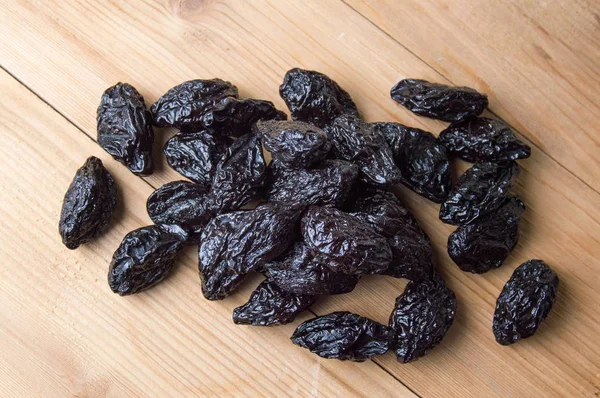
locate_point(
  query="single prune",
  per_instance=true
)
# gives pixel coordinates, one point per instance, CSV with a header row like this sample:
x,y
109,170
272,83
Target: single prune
x,y
485,244
239,175
422,161
483,139
182,203
195,155
412,256
364,145
344,336
184,105
314,98
327,184
423,314
144,258
299,271
479,191
125,128
350,245
88,205
525,301
270,305
438,101
236,243
293,144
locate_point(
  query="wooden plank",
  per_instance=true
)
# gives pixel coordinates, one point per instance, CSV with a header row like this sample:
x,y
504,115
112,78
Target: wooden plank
x,y
222,39
538,61
64,333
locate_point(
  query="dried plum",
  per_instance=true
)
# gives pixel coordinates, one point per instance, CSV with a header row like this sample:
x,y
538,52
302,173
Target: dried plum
x,y
88,205
125,128
412,256
438,101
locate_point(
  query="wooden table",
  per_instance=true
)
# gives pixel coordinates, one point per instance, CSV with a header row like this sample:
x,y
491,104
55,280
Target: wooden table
x,y
62,331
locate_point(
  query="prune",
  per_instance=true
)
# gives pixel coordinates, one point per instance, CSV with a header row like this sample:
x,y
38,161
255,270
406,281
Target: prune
x,y
344,336
182,203
327,184
184,106
270,305
438,101
422,316
485,244
412,257
295,145
233,244
422,161
350,245
195,155
479,191
239,175
144,258
300,271
365,146
125,128
483,139
88,205
525,301
314,98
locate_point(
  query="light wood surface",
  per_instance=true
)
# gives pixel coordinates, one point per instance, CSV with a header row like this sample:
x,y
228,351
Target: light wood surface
x,y
63,333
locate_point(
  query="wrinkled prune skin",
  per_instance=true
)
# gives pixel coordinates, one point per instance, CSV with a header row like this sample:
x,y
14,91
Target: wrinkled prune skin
x,y
438,101
144,258
195,155
239,175
412,256
350,245
233,244
314,98
364,145
485,244
185,105
182,203
293,144
270,305
479,139
88,205
343,335
525,301
125,128
479,191
299,271
327,184
423,314
423,163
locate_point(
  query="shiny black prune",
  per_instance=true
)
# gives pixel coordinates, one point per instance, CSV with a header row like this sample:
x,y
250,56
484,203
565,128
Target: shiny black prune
x,y
299,271
185,105
423,163
88,205
364,145
239,175
314,98
182,203
483,139
438,101
423,314
344,336
293,144
350,245
233,244
270,305
479,191
485,244
412,256
195,155
327,184
144,258
525,301
125,128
